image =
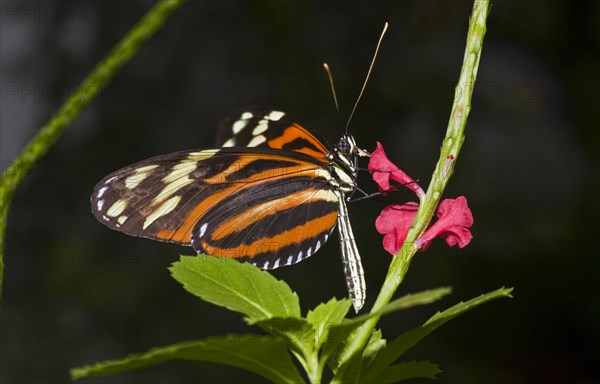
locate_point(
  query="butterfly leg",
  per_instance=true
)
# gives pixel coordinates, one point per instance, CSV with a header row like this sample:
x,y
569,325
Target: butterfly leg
x,y
364,196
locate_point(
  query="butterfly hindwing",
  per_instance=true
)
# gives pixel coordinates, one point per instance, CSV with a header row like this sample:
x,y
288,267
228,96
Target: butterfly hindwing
x,y
263,127
274,223
261,205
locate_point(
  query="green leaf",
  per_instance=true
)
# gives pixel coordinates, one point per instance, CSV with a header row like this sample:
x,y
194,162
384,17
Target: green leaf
x,y
299,336
415,299
342,331
326,315
452,312
298,333
407,301
407,340
240,287
409,370
338,334
376,343
323,318
263,355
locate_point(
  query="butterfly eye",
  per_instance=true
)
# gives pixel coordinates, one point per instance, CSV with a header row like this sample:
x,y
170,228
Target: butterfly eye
x,y
344,146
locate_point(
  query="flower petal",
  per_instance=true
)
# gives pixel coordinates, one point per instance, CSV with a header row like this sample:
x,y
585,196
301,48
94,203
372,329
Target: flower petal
x,y
454,219
383,170
393,223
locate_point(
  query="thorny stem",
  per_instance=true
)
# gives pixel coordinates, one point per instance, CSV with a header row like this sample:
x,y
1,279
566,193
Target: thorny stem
x,y
444,168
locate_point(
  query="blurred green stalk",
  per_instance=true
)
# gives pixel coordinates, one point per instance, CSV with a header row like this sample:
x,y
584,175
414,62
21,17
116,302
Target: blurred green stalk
x,y
81,97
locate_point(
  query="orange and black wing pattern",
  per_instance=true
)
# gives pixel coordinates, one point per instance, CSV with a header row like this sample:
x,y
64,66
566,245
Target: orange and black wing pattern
x,y
271,193
263,127
269,207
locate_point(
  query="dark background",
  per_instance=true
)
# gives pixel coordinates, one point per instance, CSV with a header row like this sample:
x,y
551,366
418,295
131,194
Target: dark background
x,y
76,292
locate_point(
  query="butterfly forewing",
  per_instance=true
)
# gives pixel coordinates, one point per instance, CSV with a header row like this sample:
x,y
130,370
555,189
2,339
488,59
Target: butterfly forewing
x,y
259,206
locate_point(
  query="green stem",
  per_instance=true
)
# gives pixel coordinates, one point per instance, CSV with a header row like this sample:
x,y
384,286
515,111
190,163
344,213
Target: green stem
x,y
309,360
449,152
316,372
81,97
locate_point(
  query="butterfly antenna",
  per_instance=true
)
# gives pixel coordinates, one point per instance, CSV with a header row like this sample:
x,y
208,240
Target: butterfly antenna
x,y
335,99
385,26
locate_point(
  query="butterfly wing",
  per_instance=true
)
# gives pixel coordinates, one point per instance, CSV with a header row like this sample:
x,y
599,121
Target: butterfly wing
x,y
264,127
270,207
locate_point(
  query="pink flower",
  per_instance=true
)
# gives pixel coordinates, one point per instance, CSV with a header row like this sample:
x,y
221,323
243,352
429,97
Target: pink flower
x,y
454,215
454,220
393,223
383,170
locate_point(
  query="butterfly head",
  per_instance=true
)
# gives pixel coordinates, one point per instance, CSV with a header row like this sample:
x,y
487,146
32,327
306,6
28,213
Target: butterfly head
x,y
345,156
346,150
346,146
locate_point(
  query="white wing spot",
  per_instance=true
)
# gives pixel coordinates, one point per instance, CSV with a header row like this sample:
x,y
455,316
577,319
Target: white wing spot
x,y
257,140
179,170
247,115
276,264
266,265
100,204
309,252
289,260
110,180
171,188
203,229
230,142
238,126
101,191
117,208
318,245
121,219
275,115
147,168
139,175
260,128
165,208
300,256
135,180
202,155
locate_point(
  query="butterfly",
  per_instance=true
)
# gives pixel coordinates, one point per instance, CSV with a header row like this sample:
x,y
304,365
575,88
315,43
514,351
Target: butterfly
x,y
270,193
